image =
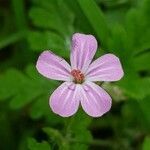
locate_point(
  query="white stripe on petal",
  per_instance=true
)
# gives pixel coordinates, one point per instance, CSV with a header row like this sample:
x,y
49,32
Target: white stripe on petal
x,y
94,100
53,67
83,51
65,99
105,68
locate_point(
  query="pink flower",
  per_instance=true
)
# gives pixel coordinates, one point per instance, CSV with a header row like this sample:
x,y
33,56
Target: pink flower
x,y
79,78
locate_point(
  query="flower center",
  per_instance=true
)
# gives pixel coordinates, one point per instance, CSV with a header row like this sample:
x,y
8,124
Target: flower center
x,y
78,76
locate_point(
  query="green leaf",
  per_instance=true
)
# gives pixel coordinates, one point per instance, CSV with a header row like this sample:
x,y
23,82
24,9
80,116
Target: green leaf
x,y
144,105
28,89
57,27
83,137
75,132
50,40
118,43
40,108
146,143
81,23
45,19
77,124
142,62
135,114
46,14
35,36
55,7
18,7
34,145
57,138
79,131
53,134
131,113
15,37
137,24
8,82
96,19
135,87
6,133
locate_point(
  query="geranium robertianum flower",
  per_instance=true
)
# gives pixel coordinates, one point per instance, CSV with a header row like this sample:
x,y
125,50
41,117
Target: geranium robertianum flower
x,y
79,86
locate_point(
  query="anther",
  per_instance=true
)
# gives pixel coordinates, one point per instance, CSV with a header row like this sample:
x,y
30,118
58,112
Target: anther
x,y
78,76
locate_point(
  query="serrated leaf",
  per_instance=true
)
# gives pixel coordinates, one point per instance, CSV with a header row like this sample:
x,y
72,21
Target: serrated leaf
x,y
57,26
76,133
55,7
47,15
28,89
40,41
45,19
47,40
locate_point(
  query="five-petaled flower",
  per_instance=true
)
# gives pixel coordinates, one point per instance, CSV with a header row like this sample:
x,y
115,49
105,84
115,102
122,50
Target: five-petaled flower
x,y
79,86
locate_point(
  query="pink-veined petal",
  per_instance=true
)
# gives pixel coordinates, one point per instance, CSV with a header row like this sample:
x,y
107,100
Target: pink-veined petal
x,y
94,100
53,66
105,68
65,99
83,51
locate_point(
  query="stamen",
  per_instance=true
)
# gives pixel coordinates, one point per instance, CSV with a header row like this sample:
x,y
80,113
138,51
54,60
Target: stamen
x,y
78,76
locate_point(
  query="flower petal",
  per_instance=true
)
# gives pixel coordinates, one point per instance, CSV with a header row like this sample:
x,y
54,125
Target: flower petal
x,y
83,51
65,99
53,67
94,100
105,68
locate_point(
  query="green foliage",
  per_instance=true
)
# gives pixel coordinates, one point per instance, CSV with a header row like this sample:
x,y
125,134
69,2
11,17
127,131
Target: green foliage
x,y
34,145
75,134
146,144
31,87
29,27
79,131
137,23
133,86
45,16
48,40
144,104
96,19
142,62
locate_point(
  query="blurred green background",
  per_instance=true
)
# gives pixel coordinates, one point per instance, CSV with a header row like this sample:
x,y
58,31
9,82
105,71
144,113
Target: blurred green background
x,y
27,27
